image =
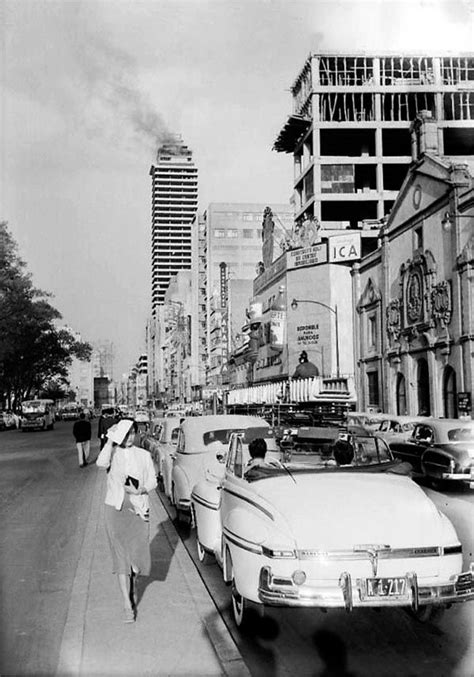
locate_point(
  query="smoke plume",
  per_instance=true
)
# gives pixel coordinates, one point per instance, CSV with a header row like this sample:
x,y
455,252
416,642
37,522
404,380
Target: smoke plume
x,y
119,105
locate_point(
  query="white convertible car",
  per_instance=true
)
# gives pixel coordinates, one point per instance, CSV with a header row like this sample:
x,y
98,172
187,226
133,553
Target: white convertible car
x,y
314,533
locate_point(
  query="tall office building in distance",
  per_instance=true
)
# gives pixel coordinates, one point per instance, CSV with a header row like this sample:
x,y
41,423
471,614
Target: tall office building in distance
x,y
174,206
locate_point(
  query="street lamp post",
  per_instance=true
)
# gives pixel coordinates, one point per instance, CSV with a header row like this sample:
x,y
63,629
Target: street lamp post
x,y
294,306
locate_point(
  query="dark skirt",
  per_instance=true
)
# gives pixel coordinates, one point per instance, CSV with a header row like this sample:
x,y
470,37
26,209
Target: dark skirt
x,y
129,540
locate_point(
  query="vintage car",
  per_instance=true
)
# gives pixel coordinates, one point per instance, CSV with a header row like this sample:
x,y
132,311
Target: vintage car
x,y
71,411
142,416
163,447
395,428
440,449
202,447
313,533
365,419
8,420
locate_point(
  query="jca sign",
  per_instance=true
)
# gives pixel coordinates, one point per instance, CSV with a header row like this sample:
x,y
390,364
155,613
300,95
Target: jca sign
x,y
344,247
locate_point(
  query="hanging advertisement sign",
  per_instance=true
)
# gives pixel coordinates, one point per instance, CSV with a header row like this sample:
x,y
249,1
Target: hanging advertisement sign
x,y
307,256
344,248
277,328
223,283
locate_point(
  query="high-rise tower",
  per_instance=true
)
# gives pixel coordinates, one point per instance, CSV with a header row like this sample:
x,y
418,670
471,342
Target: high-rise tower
x,y
174,205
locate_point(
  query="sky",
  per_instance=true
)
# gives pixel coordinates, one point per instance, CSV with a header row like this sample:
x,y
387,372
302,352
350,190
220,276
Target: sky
x,y
89,88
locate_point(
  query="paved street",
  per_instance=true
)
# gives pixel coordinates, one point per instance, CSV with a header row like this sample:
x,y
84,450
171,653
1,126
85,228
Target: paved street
x,y
61,609
61,606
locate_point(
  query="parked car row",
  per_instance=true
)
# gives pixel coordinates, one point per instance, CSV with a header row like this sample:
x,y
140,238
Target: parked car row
x,y
325,521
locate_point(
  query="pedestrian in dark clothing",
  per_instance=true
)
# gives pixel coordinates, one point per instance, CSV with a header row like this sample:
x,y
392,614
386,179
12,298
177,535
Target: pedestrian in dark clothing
x,y
82,434
107,419
305,368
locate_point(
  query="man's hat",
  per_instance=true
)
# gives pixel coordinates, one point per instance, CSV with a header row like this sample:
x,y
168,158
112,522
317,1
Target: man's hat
x,y
118,432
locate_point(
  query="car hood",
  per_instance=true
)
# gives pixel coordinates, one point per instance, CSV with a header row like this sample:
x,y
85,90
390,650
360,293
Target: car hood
x,y
341,510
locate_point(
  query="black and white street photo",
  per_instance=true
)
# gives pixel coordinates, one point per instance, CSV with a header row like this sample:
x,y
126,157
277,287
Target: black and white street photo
x,y
237,338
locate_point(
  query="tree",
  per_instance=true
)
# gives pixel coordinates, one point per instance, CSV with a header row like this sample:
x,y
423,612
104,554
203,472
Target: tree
x,y
34,351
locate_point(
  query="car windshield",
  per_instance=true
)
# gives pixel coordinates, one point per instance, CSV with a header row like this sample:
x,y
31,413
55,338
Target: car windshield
x,y
461,434
221,436
33,407
333,452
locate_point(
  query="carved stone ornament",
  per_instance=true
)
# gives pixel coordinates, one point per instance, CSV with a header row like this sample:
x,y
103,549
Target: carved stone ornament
x,y
414,297
441,304
370,296
394,319
268,228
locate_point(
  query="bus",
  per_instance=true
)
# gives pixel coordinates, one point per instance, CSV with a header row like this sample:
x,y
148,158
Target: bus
x,y
37,415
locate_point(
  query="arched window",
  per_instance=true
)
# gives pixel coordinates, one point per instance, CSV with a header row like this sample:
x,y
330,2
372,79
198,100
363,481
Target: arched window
x,y
401,395
423,388
450,409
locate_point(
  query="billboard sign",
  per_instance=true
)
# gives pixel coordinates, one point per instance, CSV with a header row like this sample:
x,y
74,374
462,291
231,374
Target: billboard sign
x,y
344,248
307,256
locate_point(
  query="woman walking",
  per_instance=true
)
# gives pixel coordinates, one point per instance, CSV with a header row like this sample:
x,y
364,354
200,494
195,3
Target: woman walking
x,y
131,476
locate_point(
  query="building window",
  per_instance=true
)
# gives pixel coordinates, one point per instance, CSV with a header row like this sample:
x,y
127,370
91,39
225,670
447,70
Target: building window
x,y
372,332
248,233
423,388
401,396
247,217
232,232
449,393
373,388
418,238
219,232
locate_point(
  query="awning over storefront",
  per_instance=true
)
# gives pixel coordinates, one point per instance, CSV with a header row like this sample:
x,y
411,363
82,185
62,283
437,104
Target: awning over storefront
x,y
294,128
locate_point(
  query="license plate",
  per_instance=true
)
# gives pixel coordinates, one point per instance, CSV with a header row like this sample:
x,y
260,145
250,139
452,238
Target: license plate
x,y
387,587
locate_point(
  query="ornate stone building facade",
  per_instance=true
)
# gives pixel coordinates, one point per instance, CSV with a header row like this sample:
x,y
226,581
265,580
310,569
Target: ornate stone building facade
x,y
413,297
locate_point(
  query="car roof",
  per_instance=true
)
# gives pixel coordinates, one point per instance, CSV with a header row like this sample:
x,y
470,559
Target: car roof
x,y
448,423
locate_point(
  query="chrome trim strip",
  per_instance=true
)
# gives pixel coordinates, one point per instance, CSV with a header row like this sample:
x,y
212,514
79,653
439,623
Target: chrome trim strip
x,y
395,553
203,502
250,501
241,545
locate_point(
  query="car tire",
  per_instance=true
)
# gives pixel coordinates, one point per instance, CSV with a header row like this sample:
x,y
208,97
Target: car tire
x,y
240,608
161,484
204,556
428,613
180,515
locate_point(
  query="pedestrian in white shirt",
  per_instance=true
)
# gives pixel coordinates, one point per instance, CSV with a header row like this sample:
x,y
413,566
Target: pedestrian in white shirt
x,y
131,476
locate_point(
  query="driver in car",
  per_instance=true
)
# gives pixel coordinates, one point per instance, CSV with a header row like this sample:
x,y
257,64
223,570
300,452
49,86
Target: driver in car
x,y
257,451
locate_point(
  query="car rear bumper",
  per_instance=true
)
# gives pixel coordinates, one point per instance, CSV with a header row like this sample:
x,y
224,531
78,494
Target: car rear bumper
x,y
348,594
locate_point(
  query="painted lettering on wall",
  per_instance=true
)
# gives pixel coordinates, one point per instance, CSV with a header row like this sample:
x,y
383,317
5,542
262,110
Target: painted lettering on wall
x,y
307,334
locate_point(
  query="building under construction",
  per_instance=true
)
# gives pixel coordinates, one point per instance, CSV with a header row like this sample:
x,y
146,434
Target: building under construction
x,y
350,128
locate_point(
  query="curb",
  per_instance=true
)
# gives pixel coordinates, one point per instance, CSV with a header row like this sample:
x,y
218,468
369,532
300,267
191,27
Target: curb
x,y
226,650
70,654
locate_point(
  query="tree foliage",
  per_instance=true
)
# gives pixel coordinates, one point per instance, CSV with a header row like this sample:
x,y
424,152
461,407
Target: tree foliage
x,y
35,352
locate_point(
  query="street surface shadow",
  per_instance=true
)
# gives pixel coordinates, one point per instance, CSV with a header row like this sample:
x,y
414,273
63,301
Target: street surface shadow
x,y
162,549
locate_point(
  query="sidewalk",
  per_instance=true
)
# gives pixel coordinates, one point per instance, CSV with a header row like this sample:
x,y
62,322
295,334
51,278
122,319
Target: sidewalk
x,y
178,630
